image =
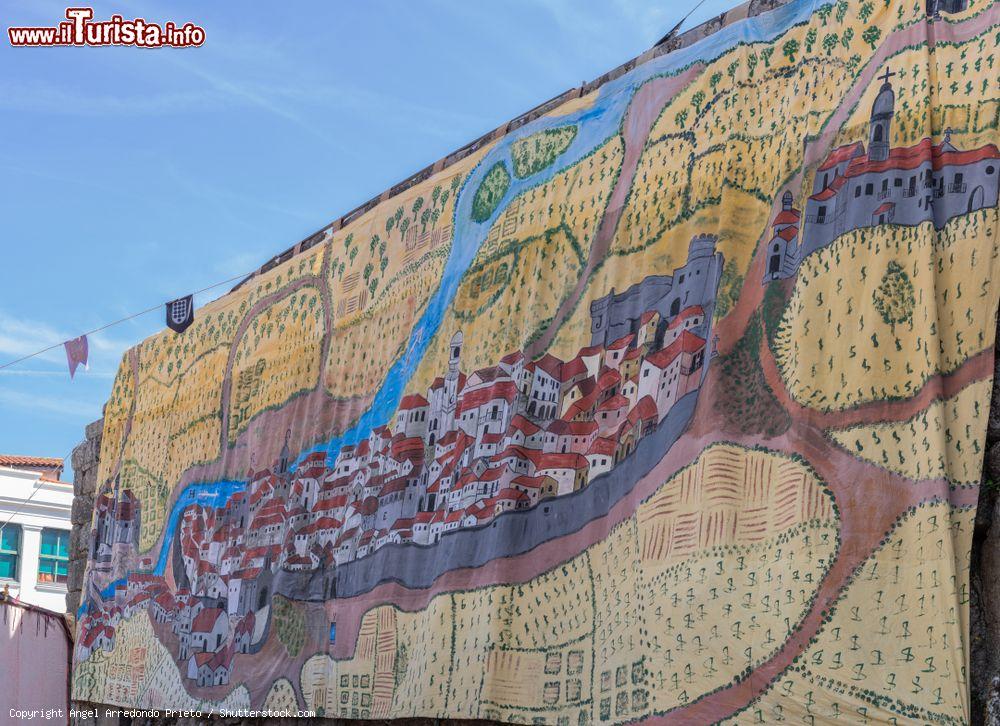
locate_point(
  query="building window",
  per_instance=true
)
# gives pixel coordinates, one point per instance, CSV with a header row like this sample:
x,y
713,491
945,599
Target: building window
x,y
53,559
10,545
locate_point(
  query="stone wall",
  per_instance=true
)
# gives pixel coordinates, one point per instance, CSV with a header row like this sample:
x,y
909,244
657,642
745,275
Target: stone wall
x,y
85,458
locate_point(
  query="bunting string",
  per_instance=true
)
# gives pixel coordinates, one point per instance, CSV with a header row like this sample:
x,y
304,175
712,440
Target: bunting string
x,y
122,320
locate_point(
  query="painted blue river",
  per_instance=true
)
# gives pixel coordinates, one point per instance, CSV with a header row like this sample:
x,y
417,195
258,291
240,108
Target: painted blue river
x,y
595,125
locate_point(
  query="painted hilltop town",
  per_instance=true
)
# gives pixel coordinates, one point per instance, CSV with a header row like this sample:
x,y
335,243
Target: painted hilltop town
x,y
855,189
477,446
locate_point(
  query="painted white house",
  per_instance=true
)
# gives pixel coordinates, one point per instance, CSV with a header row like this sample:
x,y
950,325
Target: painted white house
x,y
34,545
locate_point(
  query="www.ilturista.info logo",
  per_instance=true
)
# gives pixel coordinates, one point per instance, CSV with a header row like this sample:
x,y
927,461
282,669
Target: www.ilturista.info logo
x,y
81,29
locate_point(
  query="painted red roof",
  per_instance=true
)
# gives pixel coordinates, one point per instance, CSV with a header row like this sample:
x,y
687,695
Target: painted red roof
x,y
528,482
572,428
643,410
610,377
396,485
687,342
502,390
885,207
550,364
520,423
488,374
910,157
573,368
622,342
206,619
831,190
518,452
562,461
414,400
407,448
246,623
791,216
321,524
788,233
602,446
582,407
513,494
326,505
841,154
615,402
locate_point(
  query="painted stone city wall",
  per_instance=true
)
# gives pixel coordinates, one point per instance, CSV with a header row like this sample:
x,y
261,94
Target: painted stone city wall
x,y
588,426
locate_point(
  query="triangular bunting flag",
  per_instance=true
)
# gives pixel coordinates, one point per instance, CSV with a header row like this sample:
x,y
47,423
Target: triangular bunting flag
x,y
180,313
77,351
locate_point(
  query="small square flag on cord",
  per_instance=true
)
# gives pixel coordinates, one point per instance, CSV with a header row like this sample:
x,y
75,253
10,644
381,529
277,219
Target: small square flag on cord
x,y
180,313
77,351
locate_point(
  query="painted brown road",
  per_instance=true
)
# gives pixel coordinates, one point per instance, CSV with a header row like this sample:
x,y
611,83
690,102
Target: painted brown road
x,y
133,362
643,110
870,502
976,368
320,282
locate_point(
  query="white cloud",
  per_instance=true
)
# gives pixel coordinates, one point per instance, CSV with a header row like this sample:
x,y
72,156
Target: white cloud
x,y
59,405
21,336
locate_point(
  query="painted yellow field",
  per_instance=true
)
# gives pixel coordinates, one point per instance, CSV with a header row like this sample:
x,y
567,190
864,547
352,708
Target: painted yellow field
x,y
278,356
529,263
933,328
946,439
723,559
897,639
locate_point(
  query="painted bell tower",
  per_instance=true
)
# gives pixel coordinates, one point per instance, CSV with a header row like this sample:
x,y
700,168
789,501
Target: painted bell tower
x,y
880,126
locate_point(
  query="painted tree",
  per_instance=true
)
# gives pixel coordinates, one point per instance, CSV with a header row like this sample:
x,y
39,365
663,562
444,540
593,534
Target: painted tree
x,y
894,298
841,11
789,49
871,35
696,100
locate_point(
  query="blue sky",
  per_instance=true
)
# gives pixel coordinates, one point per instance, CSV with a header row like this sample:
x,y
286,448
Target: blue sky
x,y
129,177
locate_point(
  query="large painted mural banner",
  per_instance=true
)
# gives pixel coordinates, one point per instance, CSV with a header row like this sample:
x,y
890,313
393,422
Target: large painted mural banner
x,y
669,404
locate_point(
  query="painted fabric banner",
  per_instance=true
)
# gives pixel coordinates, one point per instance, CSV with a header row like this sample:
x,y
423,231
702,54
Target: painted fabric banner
x,y
670,403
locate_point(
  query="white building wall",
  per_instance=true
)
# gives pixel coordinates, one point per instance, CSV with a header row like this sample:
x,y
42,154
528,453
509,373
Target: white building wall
x,y
34,504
